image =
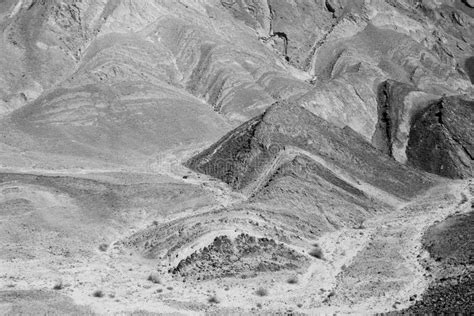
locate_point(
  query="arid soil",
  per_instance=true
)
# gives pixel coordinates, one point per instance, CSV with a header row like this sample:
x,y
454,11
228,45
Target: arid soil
x,y
351,257
235,157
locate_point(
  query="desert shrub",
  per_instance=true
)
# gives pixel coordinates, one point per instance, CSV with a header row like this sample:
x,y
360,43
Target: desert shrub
x,y
103,247
316,252
292,280
170,288
299,305
261,292
155,278
259,305
98,293
58,285
214,299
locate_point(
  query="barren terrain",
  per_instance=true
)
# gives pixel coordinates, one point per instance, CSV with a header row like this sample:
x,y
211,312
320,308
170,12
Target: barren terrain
x,y
236,157
375,267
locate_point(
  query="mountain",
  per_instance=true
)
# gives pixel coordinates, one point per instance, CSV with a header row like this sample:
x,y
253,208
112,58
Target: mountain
x,y
235,156
291,159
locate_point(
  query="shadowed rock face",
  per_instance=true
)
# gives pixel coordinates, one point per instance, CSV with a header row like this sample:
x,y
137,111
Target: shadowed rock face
x,y
397,103
469,65
391,106
441,138
242,156
432,134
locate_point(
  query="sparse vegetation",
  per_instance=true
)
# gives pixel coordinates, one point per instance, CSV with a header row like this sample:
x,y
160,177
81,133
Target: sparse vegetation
x,y
316,252
214,299
262,292
103,247
299,305
154,277
259,305
169,288
58,285
292,280
98,293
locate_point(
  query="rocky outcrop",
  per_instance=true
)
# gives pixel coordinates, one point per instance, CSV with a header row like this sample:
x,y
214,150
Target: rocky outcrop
x,y
419,129
397,103
441,137
390,109
245,256
242,156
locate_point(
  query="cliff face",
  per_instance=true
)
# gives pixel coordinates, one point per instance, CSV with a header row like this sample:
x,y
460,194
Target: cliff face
x,y
441,138
423,131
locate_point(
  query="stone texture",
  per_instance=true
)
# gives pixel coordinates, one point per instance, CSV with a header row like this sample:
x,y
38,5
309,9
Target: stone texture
x,y
441,137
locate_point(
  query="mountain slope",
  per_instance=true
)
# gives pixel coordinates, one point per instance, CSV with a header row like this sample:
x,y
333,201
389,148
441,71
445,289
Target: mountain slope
x,y
241,157
441,138
233,156
292,163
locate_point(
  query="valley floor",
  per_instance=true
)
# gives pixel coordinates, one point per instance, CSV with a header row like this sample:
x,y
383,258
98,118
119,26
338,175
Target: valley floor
x,y
377,267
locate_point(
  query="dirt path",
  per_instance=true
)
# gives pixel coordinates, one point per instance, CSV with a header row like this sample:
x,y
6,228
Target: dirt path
x,y
170,163
376,268
386,271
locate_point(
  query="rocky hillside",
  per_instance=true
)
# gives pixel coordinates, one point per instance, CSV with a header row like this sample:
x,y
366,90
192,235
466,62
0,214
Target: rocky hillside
x,y
76,69
234,156
441,138
252,151
299,165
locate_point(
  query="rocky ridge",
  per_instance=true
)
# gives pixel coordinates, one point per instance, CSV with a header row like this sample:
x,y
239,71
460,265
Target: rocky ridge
x,y
306,126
